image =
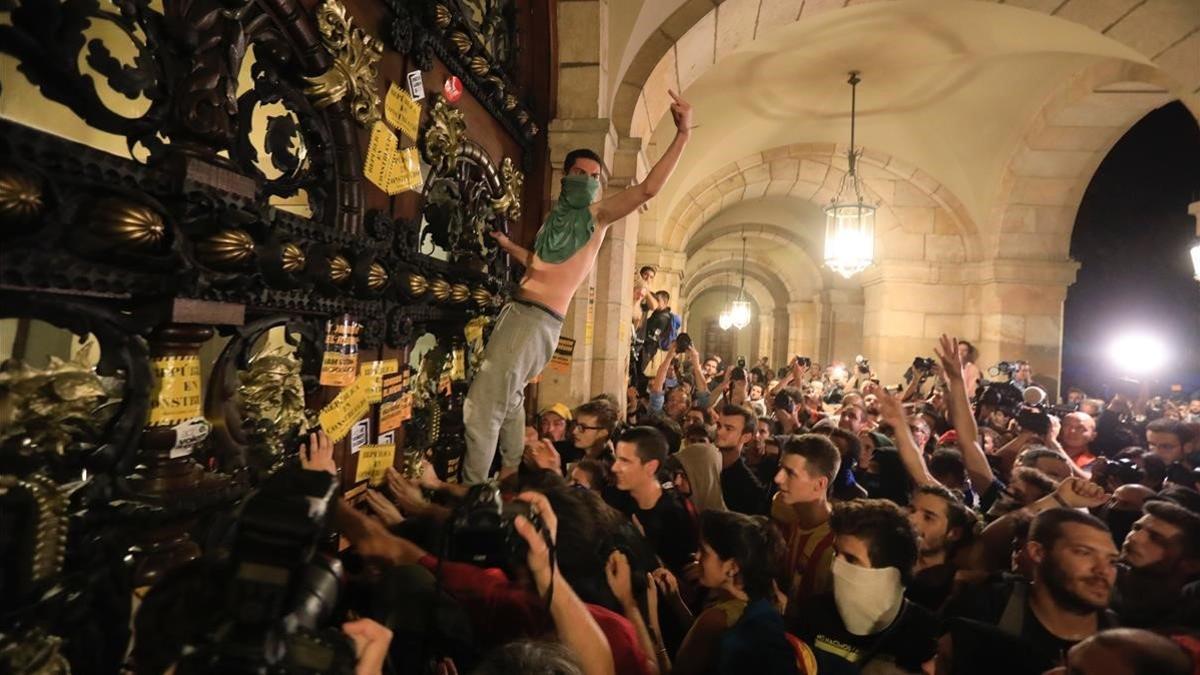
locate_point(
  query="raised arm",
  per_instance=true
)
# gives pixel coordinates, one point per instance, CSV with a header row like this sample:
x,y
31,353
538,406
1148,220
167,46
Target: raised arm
x,y
961,415
660,377
518,253
576,628
914,461
627,201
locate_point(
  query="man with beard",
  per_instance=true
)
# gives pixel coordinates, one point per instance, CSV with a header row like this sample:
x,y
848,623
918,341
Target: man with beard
x,y
742,490
944,527
1159,580
1074,562
867,625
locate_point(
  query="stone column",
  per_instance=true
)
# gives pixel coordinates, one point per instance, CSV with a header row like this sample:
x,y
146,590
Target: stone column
x,y
802,319
614,282
1021,315
581,104
780,353
843,323
766,334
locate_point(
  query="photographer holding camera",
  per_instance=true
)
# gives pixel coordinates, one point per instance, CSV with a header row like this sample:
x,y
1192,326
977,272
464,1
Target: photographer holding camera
x,y
535,600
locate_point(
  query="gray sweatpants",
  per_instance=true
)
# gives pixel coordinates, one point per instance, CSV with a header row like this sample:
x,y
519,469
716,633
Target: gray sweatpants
x,y
520,346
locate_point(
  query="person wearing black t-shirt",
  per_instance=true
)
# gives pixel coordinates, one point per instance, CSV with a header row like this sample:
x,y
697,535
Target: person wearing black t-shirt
x,y
944,527
1074,571
741,488
867,622
659,513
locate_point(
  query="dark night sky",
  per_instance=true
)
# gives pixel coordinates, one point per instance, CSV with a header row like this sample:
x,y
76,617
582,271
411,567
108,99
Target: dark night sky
x,y
1132,236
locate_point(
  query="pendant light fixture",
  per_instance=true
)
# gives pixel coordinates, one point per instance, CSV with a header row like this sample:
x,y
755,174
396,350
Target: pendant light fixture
x,y
739,311
725,320
849,220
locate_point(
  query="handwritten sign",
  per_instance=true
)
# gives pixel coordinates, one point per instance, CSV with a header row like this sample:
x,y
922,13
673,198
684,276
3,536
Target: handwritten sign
x,y
381,155
176,396
401,111
396,404
344,410
374,371
373,462
341,352
560,362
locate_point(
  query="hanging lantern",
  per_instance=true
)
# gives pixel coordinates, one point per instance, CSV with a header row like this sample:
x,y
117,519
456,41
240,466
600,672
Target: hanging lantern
x,y
725,320
849,220
739,314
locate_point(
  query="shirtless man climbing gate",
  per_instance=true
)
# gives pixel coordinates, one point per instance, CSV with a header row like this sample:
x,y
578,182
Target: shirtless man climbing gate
x,y
528,327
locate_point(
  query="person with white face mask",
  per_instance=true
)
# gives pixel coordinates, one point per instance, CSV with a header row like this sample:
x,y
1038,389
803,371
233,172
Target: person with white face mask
x,y
866,625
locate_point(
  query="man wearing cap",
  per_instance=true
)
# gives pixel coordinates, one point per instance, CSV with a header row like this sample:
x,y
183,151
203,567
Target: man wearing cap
x,y
552,422
527,330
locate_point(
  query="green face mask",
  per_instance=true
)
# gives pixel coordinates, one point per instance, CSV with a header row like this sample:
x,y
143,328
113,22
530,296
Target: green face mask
x,y
579,191
570,224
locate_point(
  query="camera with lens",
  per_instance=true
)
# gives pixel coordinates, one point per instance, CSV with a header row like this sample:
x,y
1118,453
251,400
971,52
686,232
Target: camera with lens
x,y
803,361
864,365
1003,368
483,531
683,343
280,590
922,365
1033,418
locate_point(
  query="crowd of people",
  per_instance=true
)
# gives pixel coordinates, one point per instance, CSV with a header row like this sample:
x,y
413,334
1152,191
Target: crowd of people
x,y
811,520
732,518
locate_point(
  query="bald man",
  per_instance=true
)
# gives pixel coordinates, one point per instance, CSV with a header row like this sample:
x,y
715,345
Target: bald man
x,y
1078,432
1126,651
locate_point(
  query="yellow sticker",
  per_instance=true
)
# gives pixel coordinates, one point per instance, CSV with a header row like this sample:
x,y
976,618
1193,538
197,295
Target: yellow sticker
x,y
392,409
345,409
405,172
341,352
381,155
176,396
374,371
560,362
373,463
401,111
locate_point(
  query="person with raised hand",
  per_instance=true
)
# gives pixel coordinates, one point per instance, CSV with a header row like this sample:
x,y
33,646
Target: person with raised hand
x,y
527,330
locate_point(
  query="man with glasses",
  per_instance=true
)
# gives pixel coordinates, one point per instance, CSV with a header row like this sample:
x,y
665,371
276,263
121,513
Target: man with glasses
x,y
594,424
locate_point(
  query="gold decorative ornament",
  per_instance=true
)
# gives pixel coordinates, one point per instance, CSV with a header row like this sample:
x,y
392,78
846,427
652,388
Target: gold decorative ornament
x,y
46,410
271,399
533,129
227,249
510,102
442,16
479,65
292,258
461,42
440,289
128,224
377,277
339,269
417,284
444,137
522,116
459,293
354,71
20,196
512,180
481,297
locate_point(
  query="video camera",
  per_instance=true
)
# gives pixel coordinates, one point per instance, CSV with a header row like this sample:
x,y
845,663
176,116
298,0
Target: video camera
x,y
1007,368
280,592
683,343
482,531
923,365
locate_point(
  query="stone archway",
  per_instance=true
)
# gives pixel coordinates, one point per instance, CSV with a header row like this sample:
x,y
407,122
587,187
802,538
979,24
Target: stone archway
x,y
699,33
